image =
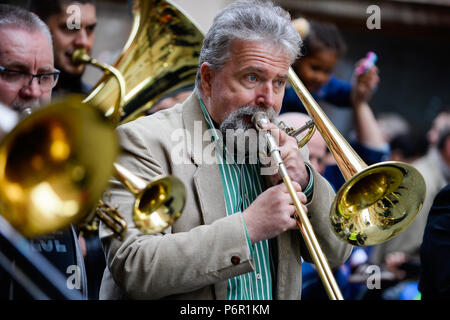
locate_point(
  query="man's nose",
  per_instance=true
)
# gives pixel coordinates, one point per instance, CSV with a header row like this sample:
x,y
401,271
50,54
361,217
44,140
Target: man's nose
x,y
32,90
265,96
81,39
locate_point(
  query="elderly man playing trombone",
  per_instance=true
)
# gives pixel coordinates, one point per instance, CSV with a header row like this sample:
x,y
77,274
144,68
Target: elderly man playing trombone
x,y
236,237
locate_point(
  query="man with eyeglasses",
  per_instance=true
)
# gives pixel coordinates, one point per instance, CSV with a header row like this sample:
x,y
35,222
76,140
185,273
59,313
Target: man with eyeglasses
x,y
69,34
27,77
27,74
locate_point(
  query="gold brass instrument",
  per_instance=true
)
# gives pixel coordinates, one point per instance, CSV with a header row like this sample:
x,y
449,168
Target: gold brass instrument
x,y
80,56
375,204
160,56
158,203
50,175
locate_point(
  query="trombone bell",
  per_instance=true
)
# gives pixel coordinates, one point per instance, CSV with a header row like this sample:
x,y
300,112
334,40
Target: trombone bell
x,y
378,203
159,204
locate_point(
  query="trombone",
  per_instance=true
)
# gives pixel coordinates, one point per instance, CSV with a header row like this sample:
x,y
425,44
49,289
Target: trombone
x,y
375,204
301,216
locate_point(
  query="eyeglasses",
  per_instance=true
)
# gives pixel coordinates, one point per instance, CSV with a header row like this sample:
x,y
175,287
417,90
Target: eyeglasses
x,y
22,79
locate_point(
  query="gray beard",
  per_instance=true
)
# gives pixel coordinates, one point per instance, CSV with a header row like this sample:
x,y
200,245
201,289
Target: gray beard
x,y
241,137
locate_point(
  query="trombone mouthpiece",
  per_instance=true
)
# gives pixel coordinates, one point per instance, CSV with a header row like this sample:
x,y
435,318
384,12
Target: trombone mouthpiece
x,y
259,119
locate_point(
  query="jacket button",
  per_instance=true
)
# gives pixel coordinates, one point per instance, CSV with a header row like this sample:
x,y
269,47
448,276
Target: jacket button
x,y
235,260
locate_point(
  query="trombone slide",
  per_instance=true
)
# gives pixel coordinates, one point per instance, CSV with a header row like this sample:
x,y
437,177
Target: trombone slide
x,y
301,218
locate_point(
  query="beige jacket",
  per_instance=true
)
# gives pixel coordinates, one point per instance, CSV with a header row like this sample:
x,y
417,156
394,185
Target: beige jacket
x,y
194,258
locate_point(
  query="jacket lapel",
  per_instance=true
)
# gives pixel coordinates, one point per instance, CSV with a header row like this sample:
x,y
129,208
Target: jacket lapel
x,y
207,180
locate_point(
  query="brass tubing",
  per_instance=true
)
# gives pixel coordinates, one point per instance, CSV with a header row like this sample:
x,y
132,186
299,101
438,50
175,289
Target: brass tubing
x,y
349,162
80,56
319,259
301,217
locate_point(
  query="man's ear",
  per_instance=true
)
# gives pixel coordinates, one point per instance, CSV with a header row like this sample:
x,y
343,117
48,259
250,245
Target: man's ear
x,y
207,74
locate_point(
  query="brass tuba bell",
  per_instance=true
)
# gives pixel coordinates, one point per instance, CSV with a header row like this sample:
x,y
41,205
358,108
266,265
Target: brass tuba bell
x,y
160,56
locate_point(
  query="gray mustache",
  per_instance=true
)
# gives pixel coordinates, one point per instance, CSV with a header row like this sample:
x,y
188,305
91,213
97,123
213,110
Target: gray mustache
x,y
242,118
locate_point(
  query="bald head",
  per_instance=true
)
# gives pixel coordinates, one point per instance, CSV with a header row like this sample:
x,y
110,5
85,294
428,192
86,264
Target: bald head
x,y
316,145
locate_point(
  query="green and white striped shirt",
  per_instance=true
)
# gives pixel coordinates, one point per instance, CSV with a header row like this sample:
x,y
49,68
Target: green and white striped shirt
x,y
242,183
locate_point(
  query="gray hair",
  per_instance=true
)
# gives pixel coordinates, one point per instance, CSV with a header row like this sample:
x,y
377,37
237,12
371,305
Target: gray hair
x,y
16,17
252,20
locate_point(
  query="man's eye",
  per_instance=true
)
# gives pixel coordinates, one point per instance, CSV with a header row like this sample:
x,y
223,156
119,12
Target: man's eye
x,y
90,28
252,78
280,83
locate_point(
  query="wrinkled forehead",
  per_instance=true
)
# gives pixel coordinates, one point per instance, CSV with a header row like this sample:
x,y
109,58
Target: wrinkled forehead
x,y
25,49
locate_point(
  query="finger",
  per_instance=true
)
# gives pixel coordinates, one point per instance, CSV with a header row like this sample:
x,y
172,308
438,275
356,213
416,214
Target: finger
x,y
282,187
290,153
297,213
280,136
285,152
297,186
268,126
302,197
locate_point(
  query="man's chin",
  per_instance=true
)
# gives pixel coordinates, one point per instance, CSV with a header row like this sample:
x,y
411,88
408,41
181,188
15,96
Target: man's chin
x,y
69,68
75,71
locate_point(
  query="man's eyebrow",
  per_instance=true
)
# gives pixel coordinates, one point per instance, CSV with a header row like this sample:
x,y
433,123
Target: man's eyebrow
x,y
262,71
19,66
254,69
46,70
16,65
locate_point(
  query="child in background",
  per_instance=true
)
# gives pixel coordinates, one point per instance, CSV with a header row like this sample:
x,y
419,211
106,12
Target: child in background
x,y
323,46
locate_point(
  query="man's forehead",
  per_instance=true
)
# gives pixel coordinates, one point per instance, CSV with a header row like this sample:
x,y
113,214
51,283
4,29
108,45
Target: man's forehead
x,y
24,49
87,12
258,53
